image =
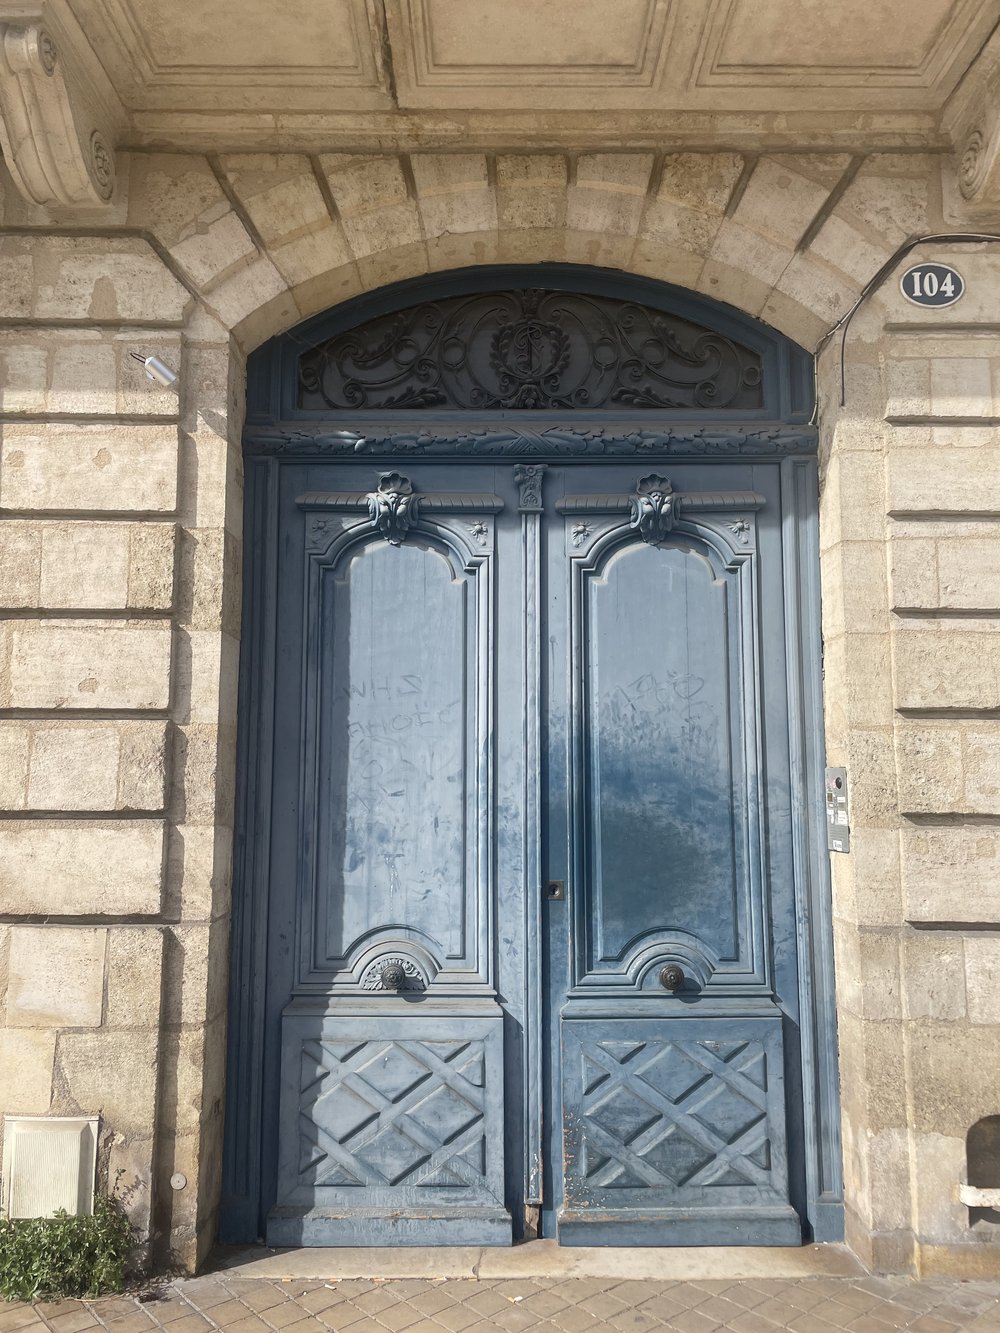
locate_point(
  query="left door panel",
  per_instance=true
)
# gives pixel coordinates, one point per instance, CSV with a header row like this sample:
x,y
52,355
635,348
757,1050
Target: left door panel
x,y
390,1126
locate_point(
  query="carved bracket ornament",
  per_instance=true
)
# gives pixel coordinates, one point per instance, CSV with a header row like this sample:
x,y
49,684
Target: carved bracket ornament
x,y
392,507
979,165
972,118
654,508
528,479
55,139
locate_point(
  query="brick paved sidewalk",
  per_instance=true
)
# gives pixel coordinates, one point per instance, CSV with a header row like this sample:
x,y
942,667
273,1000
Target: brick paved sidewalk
x,y
560,1304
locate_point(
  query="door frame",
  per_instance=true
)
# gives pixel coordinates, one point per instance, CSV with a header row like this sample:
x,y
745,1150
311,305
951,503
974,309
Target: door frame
x,y
779,431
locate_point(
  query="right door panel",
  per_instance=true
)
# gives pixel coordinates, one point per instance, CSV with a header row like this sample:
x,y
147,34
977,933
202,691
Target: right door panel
x,y
672,1079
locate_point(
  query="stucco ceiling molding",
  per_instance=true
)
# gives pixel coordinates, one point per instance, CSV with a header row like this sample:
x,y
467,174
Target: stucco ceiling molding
x,y
57,126
250,75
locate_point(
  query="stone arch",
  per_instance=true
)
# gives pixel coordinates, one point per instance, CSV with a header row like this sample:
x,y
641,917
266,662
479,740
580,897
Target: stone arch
x,y
274,238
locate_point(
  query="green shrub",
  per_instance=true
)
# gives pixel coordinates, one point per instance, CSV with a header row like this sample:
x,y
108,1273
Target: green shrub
x,y
41,1257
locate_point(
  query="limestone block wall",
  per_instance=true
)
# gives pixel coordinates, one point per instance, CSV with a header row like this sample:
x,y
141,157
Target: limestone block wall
x,y
911,600
119,594
120,551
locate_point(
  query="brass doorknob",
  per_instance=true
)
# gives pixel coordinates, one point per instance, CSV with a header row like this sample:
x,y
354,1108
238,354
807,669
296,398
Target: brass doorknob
x,y
672,977
392,977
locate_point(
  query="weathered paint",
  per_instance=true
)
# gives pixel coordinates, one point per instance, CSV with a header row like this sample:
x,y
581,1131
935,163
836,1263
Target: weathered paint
x,y
446,708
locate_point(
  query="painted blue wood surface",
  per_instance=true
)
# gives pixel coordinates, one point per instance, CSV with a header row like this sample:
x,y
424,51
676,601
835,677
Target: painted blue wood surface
x,y
391,1130
397,806
521,691
675,1132
661,776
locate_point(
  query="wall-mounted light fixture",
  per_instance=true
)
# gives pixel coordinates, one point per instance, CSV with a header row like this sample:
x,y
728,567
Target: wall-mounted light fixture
x,y
155,369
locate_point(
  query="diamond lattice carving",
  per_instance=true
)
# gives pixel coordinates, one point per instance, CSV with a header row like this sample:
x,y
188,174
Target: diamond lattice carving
x,y
392,1113
674,1114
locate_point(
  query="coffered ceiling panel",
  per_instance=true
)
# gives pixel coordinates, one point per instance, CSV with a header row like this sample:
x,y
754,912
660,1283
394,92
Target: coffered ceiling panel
x,y
861,43
462,43
239,54
567,54
657,55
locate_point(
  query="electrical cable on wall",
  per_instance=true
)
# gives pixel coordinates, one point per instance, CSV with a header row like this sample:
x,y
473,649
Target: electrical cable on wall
x,y
872,285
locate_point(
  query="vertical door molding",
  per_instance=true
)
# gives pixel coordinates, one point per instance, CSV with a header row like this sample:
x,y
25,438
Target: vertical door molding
x,y
529,479
814,934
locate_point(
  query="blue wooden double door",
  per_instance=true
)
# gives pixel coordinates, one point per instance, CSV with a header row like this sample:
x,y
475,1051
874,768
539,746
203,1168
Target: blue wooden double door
x,y
535,833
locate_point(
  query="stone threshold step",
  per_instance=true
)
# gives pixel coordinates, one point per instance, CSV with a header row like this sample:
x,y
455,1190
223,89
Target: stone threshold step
x,y
540,1259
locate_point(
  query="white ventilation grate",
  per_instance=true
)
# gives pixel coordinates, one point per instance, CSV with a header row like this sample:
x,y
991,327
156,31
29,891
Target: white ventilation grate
x,y
48,1164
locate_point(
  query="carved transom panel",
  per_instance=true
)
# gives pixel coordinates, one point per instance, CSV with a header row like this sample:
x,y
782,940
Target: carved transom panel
x,y
530,349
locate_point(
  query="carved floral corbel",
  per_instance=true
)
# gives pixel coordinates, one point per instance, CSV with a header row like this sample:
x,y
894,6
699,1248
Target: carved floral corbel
x,y
653,508
54,136
392,507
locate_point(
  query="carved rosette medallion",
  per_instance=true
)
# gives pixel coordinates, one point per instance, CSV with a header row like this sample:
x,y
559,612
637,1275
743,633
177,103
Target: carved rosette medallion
x,y
47,53
392,507
319,532
972,165
102,164
653,508
372,978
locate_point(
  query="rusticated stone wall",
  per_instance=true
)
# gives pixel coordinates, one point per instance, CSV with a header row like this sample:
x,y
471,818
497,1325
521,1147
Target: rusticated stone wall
x,y
120,551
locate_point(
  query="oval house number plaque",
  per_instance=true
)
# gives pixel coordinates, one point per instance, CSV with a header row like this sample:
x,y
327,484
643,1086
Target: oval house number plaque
x,y
932,285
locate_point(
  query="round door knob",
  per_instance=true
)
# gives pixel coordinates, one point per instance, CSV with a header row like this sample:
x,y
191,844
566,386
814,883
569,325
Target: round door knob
x,y
392,977
672,977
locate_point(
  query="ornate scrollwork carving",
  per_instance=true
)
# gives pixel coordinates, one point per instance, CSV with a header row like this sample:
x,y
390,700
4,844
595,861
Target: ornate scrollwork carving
x,y
392,974
979,165
653,508
530,349
392,506
972,122
51,115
